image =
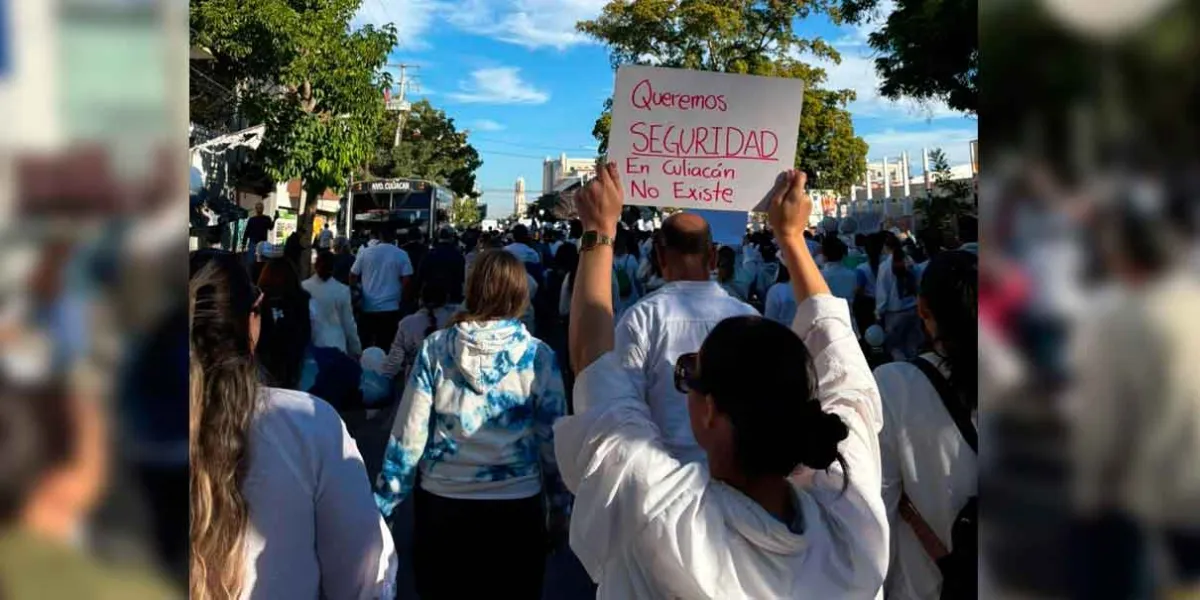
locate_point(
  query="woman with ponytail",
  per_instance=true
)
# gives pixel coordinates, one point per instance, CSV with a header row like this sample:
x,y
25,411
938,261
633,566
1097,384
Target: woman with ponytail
x,y
786,503
280,502
927,460
434,314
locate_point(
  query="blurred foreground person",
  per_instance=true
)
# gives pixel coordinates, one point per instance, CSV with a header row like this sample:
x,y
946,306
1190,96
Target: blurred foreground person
x,y
1135,433
281,506
53,465
929,442
475,421
762,402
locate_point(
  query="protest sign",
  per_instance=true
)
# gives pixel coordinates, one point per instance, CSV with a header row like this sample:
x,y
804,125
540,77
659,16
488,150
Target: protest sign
x,y
697,139
728,227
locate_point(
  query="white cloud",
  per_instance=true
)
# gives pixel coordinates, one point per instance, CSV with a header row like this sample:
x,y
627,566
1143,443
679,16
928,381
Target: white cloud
x,y
529,23
955,142
412,19
499,85
486,125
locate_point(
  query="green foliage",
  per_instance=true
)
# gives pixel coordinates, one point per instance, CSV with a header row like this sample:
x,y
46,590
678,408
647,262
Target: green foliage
x,y
299,69
949,200
465,212
754,37
926,50
431,148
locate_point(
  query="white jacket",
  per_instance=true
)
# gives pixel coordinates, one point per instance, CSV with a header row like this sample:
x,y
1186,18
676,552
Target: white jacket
x,y
333,323
647,526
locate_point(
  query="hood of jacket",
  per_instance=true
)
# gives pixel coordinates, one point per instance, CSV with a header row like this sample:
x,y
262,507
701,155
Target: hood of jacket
x,y
486,352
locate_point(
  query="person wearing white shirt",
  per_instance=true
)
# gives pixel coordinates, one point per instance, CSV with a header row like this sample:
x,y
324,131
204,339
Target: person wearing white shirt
x,y
781,303
843,282
647,525
325,239
896,302
520,247
1133,413
309,526
925,457
672,321
384,270
333,323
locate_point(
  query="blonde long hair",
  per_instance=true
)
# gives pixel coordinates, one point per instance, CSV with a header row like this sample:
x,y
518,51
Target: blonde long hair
x,y
223,398
497,289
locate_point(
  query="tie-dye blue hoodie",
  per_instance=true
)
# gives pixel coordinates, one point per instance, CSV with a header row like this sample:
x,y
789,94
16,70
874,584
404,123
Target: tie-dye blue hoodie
x,y
476,419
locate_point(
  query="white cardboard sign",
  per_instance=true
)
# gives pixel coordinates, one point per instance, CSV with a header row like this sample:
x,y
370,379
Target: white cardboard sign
x,y
702,140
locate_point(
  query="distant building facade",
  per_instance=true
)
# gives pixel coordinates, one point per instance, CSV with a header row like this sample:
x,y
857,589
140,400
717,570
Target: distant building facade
x,y
560,173
520,205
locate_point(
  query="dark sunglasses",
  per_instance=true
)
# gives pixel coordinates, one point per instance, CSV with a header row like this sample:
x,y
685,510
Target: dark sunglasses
x,y
686,377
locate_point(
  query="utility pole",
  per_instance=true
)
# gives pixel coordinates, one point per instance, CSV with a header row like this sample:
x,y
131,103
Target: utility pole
x,y
399,104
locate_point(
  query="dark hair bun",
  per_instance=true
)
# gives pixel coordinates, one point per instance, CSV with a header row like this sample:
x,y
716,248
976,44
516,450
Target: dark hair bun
x,y
822,432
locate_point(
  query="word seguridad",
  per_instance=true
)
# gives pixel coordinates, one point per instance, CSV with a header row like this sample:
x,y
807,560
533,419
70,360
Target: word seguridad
x,y
716,141
691,139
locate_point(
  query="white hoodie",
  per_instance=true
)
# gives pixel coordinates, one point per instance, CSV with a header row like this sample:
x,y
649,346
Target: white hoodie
x,y
645,525
476,417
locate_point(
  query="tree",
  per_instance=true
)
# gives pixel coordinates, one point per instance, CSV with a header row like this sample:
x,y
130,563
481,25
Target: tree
x,y
747,36
928,50
940,210
297,68
465,212
431,148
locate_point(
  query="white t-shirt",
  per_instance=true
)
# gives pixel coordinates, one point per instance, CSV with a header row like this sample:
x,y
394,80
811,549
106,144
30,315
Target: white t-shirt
x,y
646,525
781,303
523,252
315,530
654,332
381,267
926,457
333,324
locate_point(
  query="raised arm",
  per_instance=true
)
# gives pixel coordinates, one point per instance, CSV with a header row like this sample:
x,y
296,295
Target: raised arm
x,y
591,329
789,210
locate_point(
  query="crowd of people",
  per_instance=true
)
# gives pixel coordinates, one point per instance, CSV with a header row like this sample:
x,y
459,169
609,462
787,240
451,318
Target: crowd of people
x,y
788,417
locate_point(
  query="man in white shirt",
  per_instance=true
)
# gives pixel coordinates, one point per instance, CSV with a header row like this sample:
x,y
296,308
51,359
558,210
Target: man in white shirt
x,y
520,247
675,320
384,270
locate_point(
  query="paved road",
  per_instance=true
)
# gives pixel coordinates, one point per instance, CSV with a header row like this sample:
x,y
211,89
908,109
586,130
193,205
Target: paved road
x,y
566,579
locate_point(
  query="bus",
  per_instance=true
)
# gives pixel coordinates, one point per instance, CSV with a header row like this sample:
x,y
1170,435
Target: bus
x,y
397,204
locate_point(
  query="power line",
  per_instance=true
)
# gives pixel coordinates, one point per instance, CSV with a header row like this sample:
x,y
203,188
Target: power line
x,y
499,153
517,144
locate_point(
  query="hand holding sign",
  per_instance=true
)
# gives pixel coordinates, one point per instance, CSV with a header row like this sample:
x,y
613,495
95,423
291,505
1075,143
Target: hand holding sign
x,y
599,204
790,206
702,140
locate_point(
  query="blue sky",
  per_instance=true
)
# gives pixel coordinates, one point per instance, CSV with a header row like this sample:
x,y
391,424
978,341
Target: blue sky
x,y
527,86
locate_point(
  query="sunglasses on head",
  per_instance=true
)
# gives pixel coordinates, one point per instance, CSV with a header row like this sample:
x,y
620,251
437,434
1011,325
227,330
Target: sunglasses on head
x,y
687,378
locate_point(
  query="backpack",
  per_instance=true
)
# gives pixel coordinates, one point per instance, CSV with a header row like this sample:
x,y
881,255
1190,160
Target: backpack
x,y
624,283
960,567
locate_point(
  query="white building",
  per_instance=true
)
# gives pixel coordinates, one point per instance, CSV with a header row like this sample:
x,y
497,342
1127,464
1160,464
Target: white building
x,y
562,172
519,203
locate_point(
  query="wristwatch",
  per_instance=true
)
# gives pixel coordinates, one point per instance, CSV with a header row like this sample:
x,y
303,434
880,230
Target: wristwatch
x,y
592,239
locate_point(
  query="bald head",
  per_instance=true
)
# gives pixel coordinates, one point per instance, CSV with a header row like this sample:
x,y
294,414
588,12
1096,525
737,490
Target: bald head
x,y
686,234
685,248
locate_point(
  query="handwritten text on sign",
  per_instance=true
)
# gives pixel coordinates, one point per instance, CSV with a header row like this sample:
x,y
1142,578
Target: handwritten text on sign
x,y
701,140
